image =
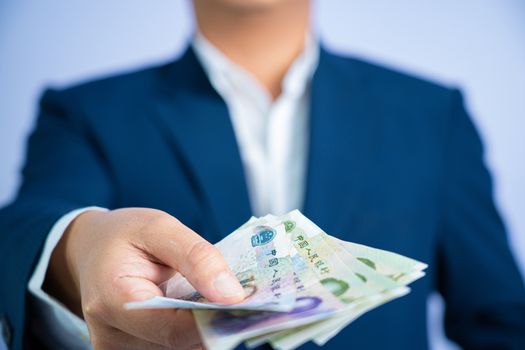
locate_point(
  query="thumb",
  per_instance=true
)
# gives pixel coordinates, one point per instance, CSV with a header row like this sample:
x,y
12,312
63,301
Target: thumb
x,y
197,260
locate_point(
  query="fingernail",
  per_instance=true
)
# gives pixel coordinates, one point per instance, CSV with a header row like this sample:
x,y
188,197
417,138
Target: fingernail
x,y
227,285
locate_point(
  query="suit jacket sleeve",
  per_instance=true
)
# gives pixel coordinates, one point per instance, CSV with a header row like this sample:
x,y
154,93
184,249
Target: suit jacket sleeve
x,y
63,171
477,276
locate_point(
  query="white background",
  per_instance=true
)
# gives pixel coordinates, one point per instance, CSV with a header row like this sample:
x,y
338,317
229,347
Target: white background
x,y
478,45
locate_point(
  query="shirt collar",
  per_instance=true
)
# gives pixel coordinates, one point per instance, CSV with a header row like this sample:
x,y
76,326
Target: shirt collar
x,y
228,75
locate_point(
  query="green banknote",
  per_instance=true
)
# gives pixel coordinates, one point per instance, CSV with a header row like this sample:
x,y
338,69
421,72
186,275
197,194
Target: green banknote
x,y
399,269
225,329
387,273
385,284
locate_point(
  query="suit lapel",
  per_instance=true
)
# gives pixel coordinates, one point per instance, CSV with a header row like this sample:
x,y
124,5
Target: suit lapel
x,y
198,121
340,143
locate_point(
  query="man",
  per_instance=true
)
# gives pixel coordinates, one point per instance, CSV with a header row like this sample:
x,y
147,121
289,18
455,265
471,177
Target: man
x,y
129,178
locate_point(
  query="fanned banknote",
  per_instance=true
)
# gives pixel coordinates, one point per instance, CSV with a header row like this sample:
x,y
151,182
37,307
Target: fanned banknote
x,y
339,279
258,254
224,329
301,285
365,267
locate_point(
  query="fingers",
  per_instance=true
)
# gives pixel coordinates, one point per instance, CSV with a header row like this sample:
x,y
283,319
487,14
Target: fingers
x,y
195,258
165,328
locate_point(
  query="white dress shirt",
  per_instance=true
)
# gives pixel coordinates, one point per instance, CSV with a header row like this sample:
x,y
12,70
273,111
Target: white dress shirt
x,y
273,143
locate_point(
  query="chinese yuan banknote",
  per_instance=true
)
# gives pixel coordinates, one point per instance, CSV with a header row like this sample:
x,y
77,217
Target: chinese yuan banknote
x,y
301,285
259,255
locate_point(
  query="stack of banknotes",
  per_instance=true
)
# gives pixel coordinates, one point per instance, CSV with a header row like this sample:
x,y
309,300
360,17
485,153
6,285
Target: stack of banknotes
x,y
301,285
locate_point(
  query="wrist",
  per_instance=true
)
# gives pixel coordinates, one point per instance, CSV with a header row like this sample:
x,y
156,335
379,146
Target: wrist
x,y
62,281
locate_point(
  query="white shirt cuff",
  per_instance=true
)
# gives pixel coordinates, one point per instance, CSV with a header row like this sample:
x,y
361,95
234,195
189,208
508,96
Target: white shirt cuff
x,y
62,326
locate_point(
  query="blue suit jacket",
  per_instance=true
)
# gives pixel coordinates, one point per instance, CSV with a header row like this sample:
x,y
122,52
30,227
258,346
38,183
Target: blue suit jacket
x,y
394,162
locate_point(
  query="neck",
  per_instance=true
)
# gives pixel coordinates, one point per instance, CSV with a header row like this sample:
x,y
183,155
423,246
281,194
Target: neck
x,y
264,40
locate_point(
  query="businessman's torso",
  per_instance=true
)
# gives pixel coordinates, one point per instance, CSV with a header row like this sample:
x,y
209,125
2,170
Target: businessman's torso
x,y
375,165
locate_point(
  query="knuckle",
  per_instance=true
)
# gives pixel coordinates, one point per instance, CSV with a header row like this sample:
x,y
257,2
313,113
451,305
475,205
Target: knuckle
x,y
203,255
95,309
118,286
157,218
154,221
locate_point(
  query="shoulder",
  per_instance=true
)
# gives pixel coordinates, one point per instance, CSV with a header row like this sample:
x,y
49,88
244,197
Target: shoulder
x,y
108,90
385,80
406,104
